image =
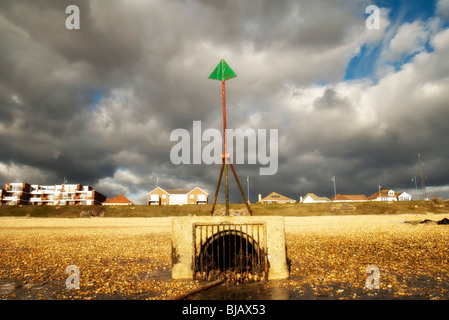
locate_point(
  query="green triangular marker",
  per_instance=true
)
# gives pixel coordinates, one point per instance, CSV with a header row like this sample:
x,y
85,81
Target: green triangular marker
x,y
222,72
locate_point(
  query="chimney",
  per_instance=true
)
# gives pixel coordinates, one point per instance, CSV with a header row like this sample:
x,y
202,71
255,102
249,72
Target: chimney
x,y
300,198
260,197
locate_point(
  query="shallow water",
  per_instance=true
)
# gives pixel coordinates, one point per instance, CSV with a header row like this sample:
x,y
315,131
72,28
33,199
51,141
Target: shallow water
x,y
247,291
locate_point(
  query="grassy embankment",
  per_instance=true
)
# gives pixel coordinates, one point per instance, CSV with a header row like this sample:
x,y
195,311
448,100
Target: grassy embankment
x,y
317,209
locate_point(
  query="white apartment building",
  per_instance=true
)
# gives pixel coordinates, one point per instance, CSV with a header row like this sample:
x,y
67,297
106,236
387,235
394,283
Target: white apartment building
x,y
65,194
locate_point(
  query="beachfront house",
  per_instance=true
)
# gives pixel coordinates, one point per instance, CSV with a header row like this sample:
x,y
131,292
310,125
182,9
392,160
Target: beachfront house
x,y
390,195
275,198
313,198
159,196
404,196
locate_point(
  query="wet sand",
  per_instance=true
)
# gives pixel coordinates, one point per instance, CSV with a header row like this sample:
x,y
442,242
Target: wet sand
x,y
130,258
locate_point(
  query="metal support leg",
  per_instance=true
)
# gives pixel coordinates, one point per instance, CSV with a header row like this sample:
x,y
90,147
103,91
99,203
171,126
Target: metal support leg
x,y
241,190
218,188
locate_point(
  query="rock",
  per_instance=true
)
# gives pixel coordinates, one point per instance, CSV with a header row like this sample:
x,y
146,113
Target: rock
x,y
85,214
443,221
7,287
427,221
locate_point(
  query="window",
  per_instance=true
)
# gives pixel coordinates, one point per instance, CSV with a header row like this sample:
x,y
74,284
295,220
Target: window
x,y
192,196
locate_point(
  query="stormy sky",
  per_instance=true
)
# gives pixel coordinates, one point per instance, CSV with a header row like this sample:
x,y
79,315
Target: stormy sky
x,y
97,105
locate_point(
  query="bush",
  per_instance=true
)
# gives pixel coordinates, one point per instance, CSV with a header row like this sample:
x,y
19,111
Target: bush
x,y
437,200
95,212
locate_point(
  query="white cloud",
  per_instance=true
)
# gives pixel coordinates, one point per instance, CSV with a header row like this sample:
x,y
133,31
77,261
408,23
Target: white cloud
x,y
139,198
12,172
400,112
123,182
441,40
436,191
442,8
410,39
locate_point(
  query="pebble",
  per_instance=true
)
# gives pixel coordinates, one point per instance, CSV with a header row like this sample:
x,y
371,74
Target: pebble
x,y
327,261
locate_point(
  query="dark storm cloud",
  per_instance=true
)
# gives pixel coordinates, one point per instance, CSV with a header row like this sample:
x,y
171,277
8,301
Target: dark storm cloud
x,y
331,100
97,105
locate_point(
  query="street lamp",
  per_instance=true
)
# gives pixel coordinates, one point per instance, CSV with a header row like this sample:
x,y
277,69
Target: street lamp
x,y
247,183
416,187
335,189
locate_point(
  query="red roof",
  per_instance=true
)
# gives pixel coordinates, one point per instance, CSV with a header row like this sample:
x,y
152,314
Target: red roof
x,y
383,193
353,197
121,199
